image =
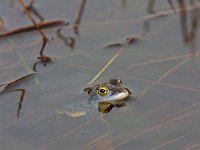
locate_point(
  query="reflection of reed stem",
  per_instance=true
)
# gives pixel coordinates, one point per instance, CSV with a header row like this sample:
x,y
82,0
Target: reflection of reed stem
x,y
183,19
79,17
171,5
150,6
32,2
2,24
68,41
124,3
194,23
31,7
188,35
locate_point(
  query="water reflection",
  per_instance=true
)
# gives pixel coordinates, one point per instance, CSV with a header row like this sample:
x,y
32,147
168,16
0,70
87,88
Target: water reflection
x,y
106,107
68,41
83,108
13,87
123,4
2,24
166,105
188,26
79,17
189,36
10,87
31,8
151,6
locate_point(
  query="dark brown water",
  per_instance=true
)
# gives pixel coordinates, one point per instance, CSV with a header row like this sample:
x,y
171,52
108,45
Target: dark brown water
x,y
164,62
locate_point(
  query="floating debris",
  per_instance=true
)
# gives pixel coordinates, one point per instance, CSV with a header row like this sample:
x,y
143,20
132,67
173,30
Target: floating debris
x,y
73,114
76,114
128,40
113,45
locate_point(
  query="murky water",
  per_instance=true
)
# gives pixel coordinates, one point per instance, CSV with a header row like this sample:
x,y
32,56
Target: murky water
x,y
162,65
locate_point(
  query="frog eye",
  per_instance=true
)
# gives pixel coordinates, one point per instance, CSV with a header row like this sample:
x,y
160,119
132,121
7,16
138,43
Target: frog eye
x,y
103,90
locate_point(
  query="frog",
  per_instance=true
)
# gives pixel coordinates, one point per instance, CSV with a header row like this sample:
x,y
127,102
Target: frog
x,y
108,91
108,95
104,96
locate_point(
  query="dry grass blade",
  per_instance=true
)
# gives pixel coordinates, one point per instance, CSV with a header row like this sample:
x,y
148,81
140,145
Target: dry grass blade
x,y
15,82
110,61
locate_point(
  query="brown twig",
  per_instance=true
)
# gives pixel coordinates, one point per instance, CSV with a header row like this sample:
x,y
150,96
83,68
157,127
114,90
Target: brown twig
x,y
23,91
43,46
48,24
42,59
33,21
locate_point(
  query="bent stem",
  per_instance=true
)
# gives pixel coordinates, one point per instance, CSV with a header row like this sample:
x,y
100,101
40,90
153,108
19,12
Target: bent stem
x,y
31,18
23,91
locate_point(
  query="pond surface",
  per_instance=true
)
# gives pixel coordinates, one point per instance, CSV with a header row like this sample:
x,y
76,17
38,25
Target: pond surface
x,y
161,68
